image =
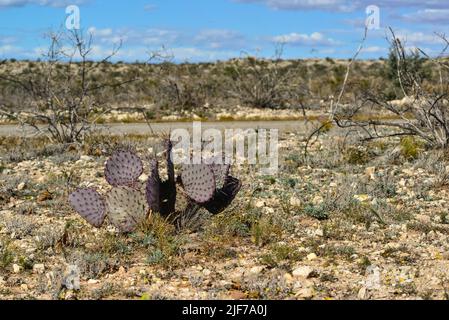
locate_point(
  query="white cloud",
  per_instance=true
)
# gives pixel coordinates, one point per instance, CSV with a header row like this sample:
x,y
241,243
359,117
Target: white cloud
x,y
220,38
49,3
340,5
432,16
346,5
314,39
374,49
418,38
8,50
100,32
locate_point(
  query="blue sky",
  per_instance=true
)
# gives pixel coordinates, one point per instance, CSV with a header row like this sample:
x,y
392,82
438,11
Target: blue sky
x,y
207,30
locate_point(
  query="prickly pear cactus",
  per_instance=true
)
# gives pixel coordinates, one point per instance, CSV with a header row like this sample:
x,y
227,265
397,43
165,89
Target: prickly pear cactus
x,y
127,208
161,195
223,197
153,187
123,169
207,186
199,182
170,165
90,205
220,170
216,194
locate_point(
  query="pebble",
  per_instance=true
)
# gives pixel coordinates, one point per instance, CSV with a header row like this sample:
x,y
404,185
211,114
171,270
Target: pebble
x,y
16,268
39,268
302,272
86,158
256,270
306,293
312,257
259,204
207,272
21,186
295,202
362,293
93,281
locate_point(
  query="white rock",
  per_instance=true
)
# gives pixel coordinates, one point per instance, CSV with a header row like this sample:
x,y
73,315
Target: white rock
x,y
93,281
312,257
319,233
39,268
317,200
295,202
302,272
16,268
256,270
86,158
306,293
362,293
207,272
259,204
21,186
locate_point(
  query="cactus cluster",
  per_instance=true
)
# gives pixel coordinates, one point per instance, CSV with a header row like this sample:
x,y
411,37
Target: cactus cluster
x,y
205,185
210,185
124,205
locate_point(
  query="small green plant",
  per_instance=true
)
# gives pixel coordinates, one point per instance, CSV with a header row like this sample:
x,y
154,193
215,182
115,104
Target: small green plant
x,y
410,148
6,255
281,253
356,155
264,231
155,257
318,212
444,218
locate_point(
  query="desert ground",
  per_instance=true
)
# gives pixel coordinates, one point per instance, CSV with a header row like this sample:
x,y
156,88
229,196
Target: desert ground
x,y
353,221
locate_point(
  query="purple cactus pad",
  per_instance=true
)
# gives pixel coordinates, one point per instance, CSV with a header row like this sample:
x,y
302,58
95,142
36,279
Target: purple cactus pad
x,y
90,205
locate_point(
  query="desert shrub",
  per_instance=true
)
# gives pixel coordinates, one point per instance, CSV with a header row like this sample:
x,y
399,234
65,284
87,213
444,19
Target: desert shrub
x,y
401,62
264,83
411,148
423,111
318,212
61,95
265,230
357,155
6,254
281,253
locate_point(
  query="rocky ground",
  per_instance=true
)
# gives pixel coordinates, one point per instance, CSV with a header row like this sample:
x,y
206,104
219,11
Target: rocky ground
x,y
208,113
351,221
